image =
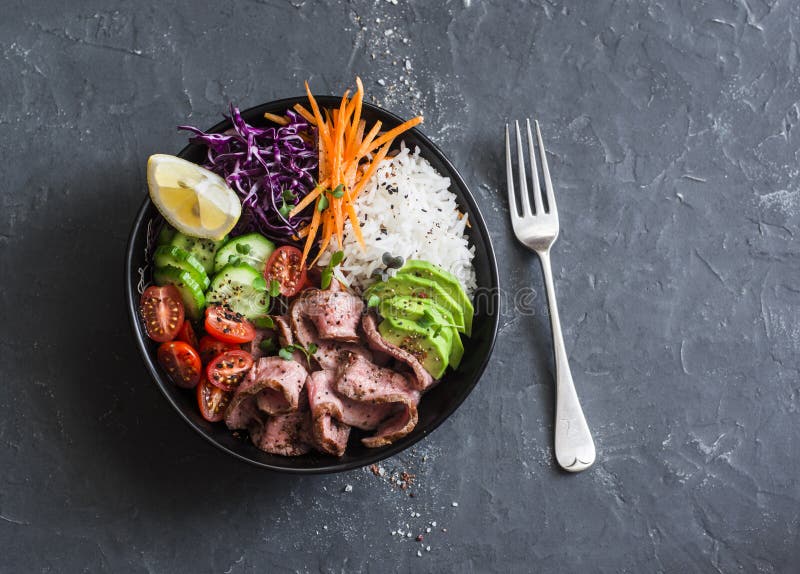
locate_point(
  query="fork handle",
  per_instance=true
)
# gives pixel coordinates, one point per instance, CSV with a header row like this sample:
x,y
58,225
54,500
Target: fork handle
x,y
574,445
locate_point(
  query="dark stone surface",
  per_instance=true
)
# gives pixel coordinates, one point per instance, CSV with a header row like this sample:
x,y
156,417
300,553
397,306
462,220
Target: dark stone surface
x,y
673,130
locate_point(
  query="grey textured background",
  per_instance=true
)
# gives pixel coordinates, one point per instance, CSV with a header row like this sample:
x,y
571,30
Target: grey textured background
x,y
673,130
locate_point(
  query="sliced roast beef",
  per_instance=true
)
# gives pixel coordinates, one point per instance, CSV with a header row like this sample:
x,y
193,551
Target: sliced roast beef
x,y
422,379
282,381
329,435
287,435
329,353
325,399
363,381
336,314
272,386
282,331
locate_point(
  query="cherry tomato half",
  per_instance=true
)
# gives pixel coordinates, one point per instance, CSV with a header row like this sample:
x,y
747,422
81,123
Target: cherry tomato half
x,y
229,369
227,326
181,362
212,401
284,266
209,347
186,334
162,312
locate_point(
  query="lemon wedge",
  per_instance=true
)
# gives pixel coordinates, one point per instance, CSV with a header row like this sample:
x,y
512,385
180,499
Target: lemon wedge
x,y
194,200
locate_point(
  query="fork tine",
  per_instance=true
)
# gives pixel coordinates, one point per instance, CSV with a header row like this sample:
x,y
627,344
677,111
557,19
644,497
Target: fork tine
x,y
512,200
548,185
523,178
537,191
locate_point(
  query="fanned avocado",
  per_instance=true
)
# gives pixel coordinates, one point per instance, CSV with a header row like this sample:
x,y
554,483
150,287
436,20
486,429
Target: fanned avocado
x,y
426,311
409,285
446,280
432,349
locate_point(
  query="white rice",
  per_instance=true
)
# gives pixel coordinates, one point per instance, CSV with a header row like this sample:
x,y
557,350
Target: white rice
x,y
407,209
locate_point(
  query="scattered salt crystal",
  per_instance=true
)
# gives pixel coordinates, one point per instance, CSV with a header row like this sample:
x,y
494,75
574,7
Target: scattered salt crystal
x,y
388,32
401,532
394,532
381,83
325,527
408,535
433,524
348,488
408,64
419,553
428,529
427,549
455,504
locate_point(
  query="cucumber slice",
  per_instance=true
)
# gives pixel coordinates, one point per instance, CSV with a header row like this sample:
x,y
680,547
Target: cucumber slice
x,y
241,288
194,301
204,250
169,255
252,249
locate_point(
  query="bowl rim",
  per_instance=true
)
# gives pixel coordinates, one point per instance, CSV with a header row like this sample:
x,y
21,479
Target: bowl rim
x,y
378,454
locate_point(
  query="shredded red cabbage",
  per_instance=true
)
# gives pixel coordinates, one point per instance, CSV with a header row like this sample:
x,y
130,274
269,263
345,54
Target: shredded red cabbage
x,y
265,167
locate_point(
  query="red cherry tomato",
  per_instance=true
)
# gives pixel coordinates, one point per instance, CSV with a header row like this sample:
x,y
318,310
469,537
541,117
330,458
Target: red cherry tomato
x,y
162,312
181,362
186,334
209,347
212,401
229,369
227,326
284,266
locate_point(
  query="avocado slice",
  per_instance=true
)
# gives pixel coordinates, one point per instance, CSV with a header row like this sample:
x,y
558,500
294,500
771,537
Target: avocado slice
x,y
446,280
404,307
420,288
430,349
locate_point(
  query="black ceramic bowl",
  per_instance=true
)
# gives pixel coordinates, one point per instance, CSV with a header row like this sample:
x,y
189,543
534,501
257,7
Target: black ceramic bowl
x,y
435,406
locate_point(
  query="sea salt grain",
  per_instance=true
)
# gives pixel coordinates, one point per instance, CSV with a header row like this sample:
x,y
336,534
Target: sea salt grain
x,y
419,553
381,83
348,488
455,504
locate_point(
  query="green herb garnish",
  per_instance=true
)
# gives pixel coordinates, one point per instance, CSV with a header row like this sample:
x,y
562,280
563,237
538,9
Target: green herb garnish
x,y
265,322
260,284
339,191
274,288
243,248
373,301
323,203
286,352
327,273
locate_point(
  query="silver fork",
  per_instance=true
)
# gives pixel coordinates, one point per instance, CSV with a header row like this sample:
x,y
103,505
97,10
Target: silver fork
x,y
537,230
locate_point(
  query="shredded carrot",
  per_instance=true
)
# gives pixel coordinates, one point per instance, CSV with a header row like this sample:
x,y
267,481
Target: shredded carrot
x,y
280,120
312,232
309,117
393,133
306,201
373,167
343,170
